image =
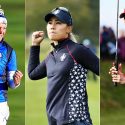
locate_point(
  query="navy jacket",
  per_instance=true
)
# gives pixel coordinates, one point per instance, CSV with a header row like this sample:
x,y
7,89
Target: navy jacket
x,y
66,68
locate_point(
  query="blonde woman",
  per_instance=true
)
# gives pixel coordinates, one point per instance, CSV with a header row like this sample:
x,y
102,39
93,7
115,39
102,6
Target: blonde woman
x,y
66,68
9,76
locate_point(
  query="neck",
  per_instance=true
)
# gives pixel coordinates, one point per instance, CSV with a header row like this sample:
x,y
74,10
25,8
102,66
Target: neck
x,y
55,43
1,39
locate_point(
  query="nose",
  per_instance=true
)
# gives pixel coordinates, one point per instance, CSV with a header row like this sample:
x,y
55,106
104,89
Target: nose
x,y
52,25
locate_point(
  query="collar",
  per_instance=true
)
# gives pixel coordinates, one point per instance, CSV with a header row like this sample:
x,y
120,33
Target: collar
x,y
61,43
1,42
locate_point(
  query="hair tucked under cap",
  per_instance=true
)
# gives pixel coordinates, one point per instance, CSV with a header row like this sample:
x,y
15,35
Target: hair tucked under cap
x,y
2,17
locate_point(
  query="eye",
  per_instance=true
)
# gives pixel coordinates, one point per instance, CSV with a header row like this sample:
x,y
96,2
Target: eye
x,y
50,22
58,22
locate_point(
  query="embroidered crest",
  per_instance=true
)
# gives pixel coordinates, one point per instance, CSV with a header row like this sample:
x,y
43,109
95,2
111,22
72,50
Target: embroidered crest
x,y
56,11
62,58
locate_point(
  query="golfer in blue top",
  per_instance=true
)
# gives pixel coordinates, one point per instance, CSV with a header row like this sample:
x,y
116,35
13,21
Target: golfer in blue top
x,y
9,76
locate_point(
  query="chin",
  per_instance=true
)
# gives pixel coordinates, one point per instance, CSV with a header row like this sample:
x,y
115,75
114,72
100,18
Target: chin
x,y
53,39
1,38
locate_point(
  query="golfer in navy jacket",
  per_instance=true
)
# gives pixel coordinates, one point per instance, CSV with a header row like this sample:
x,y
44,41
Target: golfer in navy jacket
x,y
66,69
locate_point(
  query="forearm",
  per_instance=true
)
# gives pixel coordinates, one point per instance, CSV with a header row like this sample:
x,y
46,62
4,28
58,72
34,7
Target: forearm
x,y
34,60
36,70
10,80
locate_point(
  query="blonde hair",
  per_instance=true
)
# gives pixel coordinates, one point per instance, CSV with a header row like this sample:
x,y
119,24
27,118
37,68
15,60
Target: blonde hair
x,y
72,37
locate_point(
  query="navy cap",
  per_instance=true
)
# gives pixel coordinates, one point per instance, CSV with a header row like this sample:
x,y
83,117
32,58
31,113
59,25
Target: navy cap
x,y
62,14
122,15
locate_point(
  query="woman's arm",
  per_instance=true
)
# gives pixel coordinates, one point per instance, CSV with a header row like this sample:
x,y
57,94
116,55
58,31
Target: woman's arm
x,y
11,69
88,59
36,70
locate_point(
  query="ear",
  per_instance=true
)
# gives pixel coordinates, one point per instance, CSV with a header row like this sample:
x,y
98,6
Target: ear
x,y
69,29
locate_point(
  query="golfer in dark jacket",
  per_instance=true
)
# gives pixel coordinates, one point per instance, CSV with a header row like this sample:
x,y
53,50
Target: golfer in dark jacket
x,y
66,69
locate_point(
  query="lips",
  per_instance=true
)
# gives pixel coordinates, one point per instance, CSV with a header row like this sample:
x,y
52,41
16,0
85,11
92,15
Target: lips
x,y
53,33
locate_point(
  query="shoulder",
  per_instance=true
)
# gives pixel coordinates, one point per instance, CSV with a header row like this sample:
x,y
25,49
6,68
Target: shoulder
x,y
77,47
7,45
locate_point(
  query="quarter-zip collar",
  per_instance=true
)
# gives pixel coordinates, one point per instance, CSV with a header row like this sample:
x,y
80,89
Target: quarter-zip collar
x,y
61,43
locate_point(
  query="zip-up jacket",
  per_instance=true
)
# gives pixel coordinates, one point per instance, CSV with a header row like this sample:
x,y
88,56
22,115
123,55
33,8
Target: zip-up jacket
x,y
7,70
66,68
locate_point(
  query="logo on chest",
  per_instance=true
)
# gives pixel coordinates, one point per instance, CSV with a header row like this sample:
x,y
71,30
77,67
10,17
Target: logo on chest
x,y
63,57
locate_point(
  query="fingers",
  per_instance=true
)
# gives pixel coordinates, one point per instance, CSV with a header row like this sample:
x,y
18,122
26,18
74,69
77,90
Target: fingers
x,y
18,74
37,37
38,34
113,70
113,64
116,78
17,77
120,67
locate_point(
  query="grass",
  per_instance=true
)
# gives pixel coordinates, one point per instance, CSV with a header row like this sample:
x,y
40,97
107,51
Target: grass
x,y
113,117
112,98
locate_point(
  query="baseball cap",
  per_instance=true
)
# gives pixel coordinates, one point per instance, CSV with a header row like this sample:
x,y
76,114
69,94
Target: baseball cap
x,y
122,15
62,14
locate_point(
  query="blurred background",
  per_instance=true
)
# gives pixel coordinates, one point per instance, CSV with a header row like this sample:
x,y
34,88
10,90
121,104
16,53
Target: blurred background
x,y
15,36
112,103
85,15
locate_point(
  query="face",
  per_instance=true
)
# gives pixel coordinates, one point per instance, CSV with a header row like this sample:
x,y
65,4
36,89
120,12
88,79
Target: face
x,y
2,30
124,19
57,30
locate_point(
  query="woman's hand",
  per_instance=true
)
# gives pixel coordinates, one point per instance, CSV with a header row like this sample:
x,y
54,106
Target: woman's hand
x,y
37,38
117,76
17,77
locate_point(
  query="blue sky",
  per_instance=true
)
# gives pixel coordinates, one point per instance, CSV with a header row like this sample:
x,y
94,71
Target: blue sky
x,y
108,13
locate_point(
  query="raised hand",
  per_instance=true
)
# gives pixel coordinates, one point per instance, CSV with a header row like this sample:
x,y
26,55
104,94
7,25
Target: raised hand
x,y
117,76
17,77
37,38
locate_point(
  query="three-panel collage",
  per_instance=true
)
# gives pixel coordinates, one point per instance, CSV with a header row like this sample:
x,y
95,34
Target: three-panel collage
x,y
62,62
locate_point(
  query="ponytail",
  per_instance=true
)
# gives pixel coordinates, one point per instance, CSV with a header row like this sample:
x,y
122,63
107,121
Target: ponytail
x,y
73,38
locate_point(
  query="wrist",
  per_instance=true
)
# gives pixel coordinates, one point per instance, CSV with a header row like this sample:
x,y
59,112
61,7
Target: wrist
x,y
35,44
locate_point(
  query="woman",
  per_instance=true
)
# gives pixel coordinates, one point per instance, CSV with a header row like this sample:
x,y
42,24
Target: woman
x,y
118,76
66,68
9,76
